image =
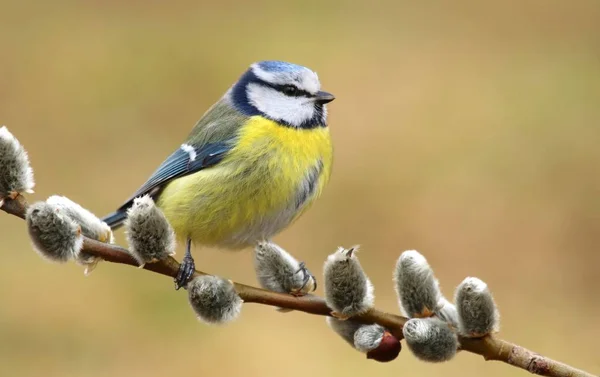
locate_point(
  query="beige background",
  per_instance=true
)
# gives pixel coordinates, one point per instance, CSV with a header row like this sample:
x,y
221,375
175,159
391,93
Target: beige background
x,y
468,130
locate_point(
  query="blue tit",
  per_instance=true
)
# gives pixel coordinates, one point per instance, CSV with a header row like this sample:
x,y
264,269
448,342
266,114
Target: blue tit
x,y
252,164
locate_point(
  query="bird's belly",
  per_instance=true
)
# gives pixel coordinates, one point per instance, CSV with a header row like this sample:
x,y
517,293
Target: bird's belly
x,y
235,206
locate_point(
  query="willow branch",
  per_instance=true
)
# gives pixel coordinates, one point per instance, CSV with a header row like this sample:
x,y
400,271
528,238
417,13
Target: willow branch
x,y
491,348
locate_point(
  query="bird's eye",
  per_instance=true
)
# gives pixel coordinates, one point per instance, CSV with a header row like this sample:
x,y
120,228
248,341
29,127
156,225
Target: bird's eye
x,y
290,90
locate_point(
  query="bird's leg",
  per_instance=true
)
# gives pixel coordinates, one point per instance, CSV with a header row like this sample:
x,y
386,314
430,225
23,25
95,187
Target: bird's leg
x,y
186,268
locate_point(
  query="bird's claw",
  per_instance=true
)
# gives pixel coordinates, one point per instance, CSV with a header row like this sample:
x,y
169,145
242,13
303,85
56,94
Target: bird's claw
x,y
185,273
307,278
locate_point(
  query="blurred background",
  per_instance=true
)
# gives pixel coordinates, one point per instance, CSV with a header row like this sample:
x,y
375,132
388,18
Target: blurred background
x,y
467,130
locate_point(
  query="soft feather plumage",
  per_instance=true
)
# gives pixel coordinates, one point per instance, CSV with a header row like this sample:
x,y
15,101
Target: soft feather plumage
x,y
273,160
253,193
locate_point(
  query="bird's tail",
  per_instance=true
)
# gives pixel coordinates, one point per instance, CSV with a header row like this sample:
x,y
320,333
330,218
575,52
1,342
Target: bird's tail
x,y
116,219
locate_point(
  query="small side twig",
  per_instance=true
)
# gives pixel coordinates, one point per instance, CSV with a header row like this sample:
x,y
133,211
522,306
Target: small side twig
x,y
491,348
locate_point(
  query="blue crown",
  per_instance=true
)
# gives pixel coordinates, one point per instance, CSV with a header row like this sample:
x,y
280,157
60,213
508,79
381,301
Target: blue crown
x,y
279,66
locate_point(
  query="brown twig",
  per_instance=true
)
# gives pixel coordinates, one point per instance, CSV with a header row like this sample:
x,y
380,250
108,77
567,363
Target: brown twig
x,y
491,348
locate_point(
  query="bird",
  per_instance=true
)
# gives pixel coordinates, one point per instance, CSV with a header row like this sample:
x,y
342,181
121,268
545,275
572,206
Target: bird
x,y
252,165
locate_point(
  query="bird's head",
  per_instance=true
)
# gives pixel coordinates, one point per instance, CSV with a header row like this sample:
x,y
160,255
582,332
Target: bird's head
x,y
283,92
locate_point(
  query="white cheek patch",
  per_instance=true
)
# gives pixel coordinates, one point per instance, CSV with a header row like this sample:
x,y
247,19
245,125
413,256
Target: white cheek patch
x,y
189,150
278,106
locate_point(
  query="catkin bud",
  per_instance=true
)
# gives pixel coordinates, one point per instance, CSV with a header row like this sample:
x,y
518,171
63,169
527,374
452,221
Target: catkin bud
x,y
388,349
55,236
447,312
417,288
16,175
91,227
278,271
214,299
477,312
149,234
430,339
348,290
378,343
368,337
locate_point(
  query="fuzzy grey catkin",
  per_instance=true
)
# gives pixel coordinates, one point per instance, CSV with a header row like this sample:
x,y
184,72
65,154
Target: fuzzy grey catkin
x,y
447,312
359,335
214,299
278,271
348,290
430,339
16,175
91,227
477,311
368,337
417,288
55,236
149,234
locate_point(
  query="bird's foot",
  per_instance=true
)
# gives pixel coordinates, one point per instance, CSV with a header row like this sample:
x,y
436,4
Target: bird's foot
x,y
185,273
309,282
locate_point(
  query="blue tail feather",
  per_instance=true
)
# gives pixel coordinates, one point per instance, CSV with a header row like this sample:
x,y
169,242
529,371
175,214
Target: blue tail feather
x,y
115,219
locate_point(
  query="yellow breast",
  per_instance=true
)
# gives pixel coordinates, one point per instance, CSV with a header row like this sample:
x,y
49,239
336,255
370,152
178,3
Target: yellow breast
x,y
264,183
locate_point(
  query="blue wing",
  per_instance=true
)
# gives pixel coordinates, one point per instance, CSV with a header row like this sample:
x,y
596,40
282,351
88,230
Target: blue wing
x,y
182,162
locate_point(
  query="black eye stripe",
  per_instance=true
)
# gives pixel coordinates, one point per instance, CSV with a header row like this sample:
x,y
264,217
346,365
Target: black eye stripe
x,y
281,88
